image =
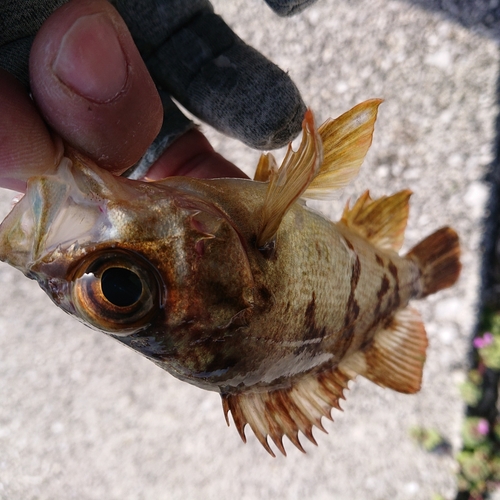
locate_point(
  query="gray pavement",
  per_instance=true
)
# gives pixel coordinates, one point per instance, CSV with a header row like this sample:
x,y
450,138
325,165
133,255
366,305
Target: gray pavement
x,y
81,417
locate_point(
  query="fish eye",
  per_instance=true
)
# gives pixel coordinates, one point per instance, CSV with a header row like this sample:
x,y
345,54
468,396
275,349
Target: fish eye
x,y
116,291
122,287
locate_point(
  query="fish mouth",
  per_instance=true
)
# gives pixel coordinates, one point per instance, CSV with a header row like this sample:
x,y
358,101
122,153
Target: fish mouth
x,y
35,224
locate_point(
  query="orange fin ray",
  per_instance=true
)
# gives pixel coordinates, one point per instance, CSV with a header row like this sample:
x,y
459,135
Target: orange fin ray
x,y
265,168
382,221
285,412
396,356
438,257
288,183
346,141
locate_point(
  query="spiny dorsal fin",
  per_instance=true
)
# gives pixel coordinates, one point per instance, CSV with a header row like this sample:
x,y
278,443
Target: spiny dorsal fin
x,y
396,356
285,412
267,165
288,183
346,141
381,221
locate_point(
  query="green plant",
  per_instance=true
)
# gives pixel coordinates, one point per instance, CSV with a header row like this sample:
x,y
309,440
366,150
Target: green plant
x,y
475,431
429,439
479,461
470,390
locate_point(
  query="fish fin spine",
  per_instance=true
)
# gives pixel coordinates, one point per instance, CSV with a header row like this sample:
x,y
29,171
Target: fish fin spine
x,y
381,221
346,141
396,356
327,159
288,183
285,412
438,258
265,168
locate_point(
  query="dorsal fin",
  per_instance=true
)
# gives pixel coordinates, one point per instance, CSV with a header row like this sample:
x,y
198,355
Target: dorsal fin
x,y
267,165
285,412
381,221
346,141
288,183
395,358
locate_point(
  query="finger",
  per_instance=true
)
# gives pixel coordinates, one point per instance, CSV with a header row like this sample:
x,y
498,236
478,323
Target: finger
x,y
20,22
92,86
192,155
26,146
214,74
287,8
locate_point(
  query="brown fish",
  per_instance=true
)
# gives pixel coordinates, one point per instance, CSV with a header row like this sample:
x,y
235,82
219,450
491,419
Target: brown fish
x,y
236,286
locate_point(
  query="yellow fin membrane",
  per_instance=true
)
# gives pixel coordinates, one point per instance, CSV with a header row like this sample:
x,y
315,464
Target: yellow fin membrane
x,y
346,141
266,166
382,221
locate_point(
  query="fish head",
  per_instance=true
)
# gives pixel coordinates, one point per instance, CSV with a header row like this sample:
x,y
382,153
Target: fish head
x,y
151,264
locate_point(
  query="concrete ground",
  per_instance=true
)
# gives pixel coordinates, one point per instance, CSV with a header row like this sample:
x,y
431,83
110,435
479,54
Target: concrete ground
x,y
83,418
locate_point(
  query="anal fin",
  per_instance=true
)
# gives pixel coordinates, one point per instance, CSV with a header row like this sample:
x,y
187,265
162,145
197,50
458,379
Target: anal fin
x,y
285,412
396,356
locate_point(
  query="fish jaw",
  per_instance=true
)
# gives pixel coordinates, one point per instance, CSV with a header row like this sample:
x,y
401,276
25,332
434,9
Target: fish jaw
x,y
53,213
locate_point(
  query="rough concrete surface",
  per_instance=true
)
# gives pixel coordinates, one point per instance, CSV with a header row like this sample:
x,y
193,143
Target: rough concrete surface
x,y
83,418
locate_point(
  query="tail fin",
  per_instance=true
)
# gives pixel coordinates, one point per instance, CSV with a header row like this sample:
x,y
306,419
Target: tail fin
x,y
438,257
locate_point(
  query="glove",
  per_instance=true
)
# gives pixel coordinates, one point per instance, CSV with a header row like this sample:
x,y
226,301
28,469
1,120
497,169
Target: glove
x,y
193,56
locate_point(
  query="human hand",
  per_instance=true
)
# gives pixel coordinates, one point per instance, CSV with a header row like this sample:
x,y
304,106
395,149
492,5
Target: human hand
x,y
109,108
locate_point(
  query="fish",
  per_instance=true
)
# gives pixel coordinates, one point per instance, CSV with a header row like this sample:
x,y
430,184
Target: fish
x,y
236,285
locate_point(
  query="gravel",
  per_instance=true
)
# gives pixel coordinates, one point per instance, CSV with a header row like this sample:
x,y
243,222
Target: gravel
x,y
83,418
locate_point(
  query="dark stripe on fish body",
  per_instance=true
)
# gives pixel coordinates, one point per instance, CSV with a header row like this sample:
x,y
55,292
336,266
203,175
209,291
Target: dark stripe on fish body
x,y
384,287
349,244
383,316
310,310
352,311
312,331
396,299
393,270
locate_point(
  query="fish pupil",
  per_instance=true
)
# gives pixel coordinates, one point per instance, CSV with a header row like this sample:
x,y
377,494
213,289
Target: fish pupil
x,y
121,286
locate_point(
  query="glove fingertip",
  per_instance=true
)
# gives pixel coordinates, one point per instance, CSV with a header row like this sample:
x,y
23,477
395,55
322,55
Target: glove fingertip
x,y
287,8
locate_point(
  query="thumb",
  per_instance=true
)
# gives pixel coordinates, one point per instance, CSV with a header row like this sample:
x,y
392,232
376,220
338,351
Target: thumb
x,y
92,86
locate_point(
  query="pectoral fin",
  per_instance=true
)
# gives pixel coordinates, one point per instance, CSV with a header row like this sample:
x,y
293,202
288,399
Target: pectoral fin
x,y
395,359
382,221
285,412
288,183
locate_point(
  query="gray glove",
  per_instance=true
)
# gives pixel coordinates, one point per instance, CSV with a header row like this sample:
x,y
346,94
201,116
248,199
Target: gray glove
x,y
193,56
